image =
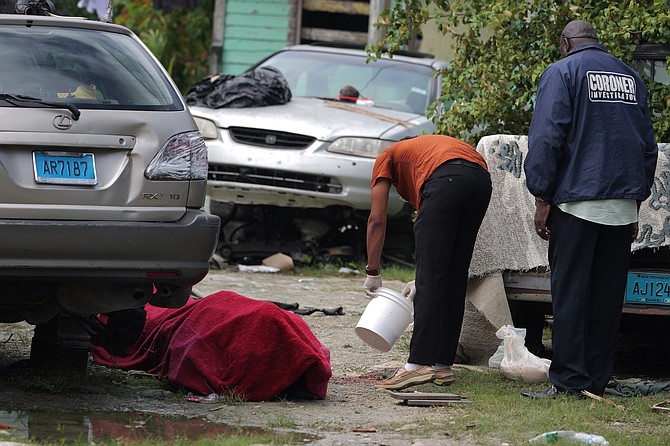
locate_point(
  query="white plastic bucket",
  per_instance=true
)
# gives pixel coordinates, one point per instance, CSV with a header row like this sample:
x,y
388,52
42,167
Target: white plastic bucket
x,y
385,318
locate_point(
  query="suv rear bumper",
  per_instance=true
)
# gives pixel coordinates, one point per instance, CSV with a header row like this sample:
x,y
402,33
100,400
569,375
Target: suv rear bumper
x,y
166,257
43,249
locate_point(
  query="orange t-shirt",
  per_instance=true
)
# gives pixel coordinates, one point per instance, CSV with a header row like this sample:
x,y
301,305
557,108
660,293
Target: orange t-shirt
x,y
409,163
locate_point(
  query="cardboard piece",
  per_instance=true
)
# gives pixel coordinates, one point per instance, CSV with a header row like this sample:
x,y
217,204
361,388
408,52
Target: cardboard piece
x,y
280,261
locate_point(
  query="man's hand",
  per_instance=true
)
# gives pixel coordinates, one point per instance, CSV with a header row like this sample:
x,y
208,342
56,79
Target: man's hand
x,y
542,209
409,291
371,284
635,228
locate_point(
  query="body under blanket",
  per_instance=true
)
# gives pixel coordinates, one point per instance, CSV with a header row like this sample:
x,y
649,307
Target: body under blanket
x,y
228,344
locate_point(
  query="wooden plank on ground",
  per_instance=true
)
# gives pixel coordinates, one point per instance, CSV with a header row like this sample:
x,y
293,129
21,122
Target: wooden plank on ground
x,y
428,398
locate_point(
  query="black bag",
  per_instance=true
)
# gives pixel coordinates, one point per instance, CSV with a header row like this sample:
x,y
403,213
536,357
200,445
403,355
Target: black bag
x,y
254,88
34,7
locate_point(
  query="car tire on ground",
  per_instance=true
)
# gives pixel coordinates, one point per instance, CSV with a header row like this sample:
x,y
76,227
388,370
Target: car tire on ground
x,y
60,344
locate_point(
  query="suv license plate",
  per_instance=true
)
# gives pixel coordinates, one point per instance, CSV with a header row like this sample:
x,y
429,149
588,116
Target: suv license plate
x,y
65,168
648,289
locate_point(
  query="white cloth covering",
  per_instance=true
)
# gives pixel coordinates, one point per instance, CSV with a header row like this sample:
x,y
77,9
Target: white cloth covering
x,y
507,239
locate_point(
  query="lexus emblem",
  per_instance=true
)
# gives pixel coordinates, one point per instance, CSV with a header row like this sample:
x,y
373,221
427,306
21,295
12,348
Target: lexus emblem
x,y
62,122
269,139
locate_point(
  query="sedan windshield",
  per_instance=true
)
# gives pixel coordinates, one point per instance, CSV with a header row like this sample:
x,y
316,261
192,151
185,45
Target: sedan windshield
x,y
383,83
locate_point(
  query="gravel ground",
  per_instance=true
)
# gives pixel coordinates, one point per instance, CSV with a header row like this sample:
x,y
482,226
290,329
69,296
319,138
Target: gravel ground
x,y
353,413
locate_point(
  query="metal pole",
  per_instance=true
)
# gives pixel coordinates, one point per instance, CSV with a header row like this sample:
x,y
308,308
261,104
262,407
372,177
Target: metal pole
x,y
376,8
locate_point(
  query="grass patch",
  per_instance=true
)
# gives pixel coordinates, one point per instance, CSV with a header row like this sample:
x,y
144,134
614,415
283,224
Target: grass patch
x,y
282,421
391,271
403,341
499,414
55,381
227,440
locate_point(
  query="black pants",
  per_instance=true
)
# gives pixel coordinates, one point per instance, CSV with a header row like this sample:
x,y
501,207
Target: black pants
x,y
589,268
454,202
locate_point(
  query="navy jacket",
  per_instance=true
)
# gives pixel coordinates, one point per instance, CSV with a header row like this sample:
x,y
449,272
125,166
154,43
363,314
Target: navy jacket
x,y
591,136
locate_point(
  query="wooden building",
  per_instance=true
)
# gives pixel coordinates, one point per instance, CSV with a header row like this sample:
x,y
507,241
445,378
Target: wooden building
x,y
245,31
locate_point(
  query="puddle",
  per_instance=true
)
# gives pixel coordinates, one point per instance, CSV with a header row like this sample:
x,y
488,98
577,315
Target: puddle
x,y
125,427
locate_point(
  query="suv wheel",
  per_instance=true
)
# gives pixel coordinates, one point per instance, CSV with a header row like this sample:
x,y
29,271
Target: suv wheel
x,y
62,343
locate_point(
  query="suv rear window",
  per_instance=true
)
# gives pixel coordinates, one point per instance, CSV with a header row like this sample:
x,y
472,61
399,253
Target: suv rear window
x,y
87,68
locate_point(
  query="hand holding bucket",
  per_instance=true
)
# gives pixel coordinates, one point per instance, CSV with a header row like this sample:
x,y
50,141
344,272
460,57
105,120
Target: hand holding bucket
x,y
372,283
409,291
386,318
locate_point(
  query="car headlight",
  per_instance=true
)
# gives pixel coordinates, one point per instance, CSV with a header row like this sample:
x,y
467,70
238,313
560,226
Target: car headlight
x,y
367,147
207,128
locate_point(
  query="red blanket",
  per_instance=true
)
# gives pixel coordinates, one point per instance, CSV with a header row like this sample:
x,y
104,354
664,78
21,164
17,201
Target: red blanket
x,y
226,343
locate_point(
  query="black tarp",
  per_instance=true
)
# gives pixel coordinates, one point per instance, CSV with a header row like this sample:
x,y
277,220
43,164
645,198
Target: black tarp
x,y
254,88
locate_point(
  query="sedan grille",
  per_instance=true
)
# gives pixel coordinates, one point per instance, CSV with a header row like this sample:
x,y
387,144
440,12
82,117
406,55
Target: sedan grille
x,y
272,177
269,138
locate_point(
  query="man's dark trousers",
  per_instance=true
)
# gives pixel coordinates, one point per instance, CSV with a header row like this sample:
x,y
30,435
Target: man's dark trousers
x,y
454,202
589,267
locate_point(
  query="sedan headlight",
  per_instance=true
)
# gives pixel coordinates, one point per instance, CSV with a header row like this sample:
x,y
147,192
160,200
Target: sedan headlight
x,y
207,128
367,147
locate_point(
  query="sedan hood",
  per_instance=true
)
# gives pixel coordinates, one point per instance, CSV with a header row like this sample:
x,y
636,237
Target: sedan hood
x,y
323,119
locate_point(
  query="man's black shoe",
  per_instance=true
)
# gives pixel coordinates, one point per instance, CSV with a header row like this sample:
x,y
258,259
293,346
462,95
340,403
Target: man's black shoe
x,y
551,392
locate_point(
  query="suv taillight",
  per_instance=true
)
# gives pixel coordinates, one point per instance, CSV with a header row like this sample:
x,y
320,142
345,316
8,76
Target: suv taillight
x,y
183,157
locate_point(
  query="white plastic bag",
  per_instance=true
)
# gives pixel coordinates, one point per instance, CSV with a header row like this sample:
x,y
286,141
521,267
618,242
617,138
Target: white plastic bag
x,y
514,359
497,357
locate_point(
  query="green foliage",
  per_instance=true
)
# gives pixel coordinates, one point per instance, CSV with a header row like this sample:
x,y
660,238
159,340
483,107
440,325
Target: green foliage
x,y
502,47
69,8
180,39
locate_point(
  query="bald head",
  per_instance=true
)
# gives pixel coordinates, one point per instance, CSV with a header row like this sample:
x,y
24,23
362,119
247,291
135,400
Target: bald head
x,y
580,29
576,33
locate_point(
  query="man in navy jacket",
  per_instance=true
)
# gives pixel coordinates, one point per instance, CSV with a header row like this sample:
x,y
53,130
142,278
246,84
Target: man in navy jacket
x,y
591,162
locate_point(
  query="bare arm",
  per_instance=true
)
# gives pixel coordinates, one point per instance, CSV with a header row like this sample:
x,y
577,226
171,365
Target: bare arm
x,y
376,230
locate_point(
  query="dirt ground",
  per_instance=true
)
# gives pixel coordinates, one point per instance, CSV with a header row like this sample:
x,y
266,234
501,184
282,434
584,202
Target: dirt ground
x,y
354,412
